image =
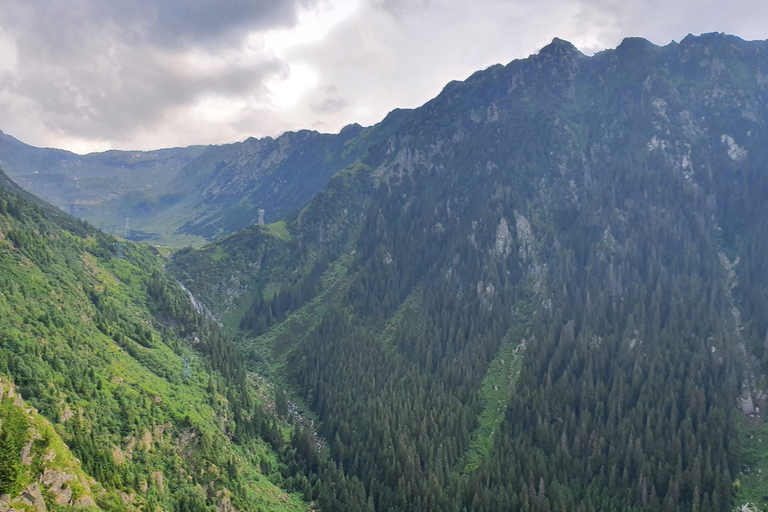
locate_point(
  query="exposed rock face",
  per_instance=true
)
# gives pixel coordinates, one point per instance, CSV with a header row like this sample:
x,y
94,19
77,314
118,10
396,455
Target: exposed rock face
x,y
53,483
130,444
32,497
118,455
66,414
486,293
503,246
57,483
146,441
64,497
524,237
157,476
735,152
26,458
225,506
746,402
127,498
85,501
49,455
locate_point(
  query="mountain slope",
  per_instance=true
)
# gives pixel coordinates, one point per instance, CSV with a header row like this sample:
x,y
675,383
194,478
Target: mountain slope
x,y
142,388
184,195
83,184
599,220
233,182
33,454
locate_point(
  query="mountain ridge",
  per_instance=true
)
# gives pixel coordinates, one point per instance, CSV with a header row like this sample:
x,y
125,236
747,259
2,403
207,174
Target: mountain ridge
x,y
543,290
586,209
206,192
183,194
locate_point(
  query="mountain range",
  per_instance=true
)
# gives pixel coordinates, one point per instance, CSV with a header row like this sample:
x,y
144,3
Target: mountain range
x,y
183,195
544,289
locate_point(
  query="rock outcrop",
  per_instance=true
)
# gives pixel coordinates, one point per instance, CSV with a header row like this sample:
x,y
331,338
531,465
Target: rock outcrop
x,y
59,480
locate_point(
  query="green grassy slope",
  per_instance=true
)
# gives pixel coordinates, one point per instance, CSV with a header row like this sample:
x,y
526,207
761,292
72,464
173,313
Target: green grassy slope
x,y
34,461
146,392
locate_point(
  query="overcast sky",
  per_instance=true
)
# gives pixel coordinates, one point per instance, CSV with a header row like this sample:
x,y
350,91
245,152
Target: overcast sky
x,y
90,75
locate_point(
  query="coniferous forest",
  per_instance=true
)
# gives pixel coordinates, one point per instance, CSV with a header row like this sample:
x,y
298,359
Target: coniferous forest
x,y
543,290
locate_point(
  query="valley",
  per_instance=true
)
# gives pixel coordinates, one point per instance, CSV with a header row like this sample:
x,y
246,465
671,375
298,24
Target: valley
x,y
542,290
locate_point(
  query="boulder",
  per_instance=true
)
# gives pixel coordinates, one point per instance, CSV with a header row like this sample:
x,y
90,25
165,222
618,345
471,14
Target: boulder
x,y
85,501
56,481
32,497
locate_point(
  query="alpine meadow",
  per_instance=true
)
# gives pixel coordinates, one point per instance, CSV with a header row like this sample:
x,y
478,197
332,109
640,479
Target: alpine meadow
x,y
546,289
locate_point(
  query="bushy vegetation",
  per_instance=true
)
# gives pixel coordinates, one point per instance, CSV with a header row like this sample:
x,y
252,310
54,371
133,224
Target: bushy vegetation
x,y
147,392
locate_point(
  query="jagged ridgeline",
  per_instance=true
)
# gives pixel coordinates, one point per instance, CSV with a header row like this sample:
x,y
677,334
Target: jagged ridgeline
x,y
543,290
115,393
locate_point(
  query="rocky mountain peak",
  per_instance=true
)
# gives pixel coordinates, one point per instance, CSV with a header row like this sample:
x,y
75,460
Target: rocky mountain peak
x,y
560,48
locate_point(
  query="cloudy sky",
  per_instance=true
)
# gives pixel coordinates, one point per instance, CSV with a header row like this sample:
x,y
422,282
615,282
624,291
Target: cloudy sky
x,y
89,75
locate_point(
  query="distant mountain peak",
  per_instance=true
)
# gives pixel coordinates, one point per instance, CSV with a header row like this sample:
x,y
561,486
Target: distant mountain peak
x,y
709,36
561,42
560,47
635,42
351,129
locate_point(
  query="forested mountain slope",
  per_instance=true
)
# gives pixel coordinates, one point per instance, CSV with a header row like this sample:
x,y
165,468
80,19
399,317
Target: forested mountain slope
x,y
105,358
186,195
543,290
228,185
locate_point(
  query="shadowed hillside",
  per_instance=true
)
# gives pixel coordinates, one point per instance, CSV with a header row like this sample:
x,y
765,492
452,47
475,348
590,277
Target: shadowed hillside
x,y
542,290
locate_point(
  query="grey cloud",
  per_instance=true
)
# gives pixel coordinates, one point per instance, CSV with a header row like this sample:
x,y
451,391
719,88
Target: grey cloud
x,y
197,21
102,69
160,22
330,102
400,8
130,70
89,102
661,21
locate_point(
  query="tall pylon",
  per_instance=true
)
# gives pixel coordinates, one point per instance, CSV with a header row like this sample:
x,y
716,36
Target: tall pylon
x,y
127,231
261,216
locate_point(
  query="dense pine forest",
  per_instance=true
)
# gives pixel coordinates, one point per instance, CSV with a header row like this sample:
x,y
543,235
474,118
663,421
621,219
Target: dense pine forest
x,y
543,290
551,299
